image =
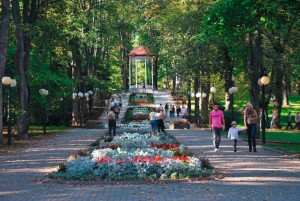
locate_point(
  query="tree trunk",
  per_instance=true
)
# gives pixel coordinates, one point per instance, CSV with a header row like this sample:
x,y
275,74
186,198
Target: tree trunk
x,y
204,104
124,58
19,62
155,72
228,67
4,32
278,85
253,73
174,84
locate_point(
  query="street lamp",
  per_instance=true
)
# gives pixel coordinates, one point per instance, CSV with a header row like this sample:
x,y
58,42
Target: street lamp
x,y
213,91
11,83
232,91
263,81
44,93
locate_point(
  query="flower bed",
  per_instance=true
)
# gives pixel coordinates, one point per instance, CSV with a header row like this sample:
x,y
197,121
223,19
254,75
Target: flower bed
x,y
141,127
140,113
133,157
141,99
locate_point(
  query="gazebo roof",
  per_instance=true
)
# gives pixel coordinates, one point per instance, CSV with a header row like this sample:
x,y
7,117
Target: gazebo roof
x,y
140,51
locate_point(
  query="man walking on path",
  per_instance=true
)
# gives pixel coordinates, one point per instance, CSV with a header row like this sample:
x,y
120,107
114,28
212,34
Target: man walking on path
x,y
297,120
289,121
216,124
112,124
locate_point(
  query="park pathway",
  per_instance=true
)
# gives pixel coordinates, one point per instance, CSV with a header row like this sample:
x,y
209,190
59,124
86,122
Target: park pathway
x,y
265,175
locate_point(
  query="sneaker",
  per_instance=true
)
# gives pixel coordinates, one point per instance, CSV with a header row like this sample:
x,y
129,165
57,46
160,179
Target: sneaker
x,y
216,150
235,150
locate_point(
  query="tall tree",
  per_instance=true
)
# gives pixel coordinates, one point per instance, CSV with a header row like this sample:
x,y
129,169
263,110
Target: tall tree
x,y
4,32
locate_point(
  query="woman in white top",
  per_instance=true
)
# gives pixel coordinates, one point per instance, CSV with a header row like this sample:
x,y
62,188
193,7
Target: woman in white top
x,y
153,123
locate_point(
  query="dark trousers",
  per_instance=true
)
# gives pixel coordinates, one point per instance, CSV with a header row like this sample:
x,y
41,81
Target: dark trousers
x,y
234,145
251,132
297,125
216,136
289,125
160,125
112,125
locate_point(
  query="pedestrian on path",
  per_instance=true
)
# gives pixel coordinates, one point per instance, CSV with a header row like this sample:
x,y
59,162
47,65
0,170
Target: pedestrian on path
x,y
153,123
233,134
160,121
178,110
144,87
112,124
250,120
167,110
297,120
184,112
289,121
216,124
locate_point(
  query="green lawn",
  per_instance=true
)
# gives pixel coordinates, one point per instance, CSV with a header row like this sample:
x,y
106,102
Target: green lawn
x,y
283,135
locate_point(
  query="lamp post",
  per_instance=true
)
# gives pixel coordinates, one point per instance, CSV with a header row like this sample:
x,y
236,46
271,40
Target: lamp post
x,y
11,83
90,102
213,91
232,91
44,93
80,95
263,81
198,95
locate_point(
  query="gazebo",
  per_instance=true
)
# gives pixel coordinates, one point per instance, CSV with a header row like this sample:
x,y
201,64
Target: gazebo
x,y
142,55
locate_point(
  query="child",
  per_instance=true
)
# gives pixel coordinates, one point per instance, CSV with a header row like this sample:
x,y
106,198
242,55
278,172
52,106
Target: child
x,y
233,134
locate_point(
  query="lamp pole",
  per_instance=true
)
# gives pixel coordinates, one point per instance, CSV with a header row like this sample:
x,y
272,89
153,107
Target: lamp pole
x,y
232,91
80,95
198,112
213,91
11,83
263,81
44,93
90,103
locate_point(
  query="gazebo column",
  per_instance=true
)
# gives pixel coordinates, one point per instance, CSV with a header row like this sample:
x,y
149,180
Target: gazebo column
x,y
152,72
129,81
136,63
145,72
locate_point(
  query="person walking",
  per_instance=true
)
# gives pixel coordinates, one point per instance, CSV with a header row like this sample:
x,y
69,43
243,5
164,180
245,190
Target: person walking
x,y
171,111
167,109
153,123
233,134
289,121
178,110
144,87
216,124
184,112
297,120
250,120
112,125
159,116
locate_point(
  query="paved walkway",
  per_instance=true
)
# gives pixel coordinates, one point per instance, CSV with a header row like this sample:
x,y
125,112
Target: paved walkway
x,y
265,175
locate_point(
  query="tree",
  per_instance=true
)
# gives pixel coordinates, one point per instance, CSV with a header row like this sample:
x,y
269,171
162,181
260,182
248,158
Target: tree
x,y
4,33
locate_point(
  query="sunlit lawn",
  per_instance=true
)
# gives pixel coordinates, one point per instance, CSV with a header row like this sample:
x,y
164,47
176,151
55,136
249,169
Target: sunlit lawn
x,y
35,135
